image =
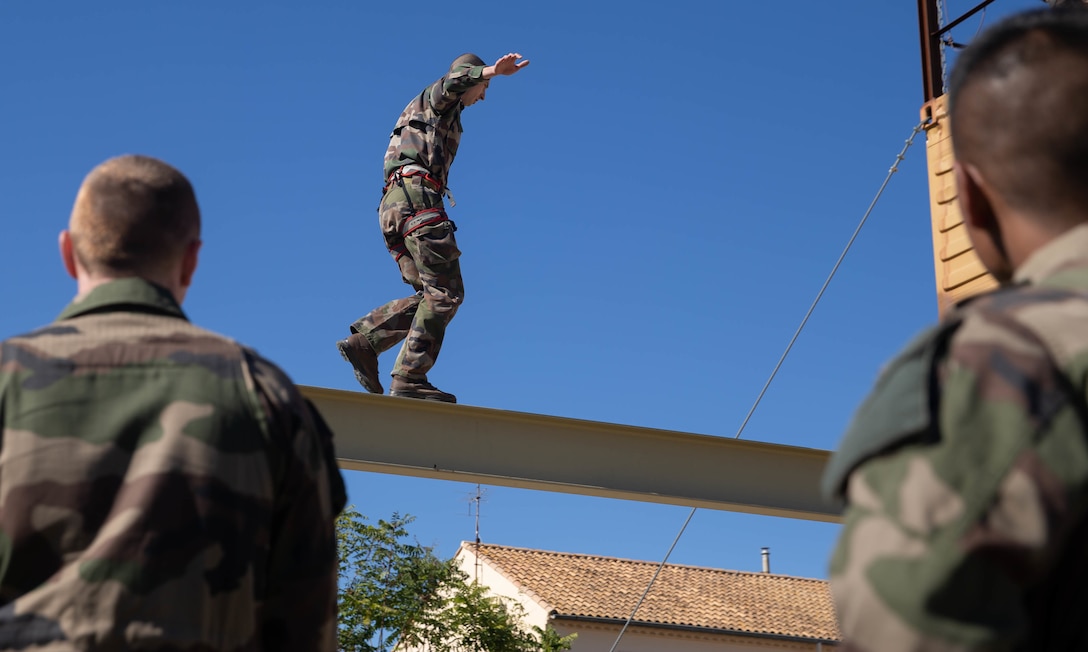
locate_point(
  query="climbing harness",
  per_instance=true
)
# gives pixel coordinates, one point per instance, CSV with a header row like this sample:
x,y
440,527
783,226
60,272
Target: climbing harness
x,y
408,171
426,216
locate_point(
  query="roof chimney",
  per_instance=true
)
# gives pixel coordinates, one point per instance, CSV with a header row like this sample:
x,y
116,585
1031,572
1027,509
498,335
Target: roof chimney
x,y
766,554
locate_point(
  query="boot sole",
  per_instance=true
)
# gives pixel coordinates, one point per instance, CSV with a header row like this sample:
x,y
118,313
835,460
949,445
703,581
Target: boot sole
x,y
369,384
423,397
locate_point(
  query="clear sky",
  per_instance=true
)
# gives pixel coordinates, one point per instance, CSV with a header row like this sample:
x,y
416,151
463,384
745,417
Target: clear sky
x,y
646,213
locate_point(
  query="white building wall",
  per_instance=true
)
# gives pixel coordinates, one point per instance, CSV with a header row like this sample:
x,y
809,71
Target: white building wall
x,y
535,613
597,637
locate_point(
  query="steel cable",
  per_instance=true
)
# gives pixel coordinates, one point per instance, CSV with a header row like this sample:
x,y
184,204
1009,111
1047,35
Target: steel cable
x,y
891,171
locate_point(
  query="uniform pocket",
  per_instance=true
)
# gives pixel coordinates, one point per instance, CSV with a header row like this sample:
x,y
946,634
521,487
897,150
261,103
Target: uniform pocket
x,y
434,244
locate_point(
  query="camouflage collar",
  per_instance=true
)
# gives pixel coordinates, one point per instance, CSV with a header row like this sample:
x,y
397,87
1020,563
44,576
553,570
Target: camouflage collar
x,y
1067,250
131,294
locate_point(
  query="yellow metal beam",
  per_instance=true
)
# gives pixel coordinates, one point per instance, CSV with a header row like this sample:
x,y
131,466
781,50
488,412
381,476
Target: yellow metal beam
x,y
514,449
959,272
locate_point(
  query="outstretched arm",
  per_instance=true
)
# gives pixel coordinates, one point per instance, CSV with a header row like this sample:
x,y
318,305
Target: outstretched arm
x,y
445,92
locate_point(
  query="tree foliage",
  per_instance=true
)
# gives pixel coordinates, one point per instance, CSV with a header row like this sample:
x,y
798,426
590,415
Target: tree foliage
x,y
396,595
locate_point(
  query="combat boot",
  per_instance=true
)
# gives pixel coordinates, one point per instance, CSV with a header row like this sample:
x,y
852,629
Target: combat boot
x,y
361,355
409,388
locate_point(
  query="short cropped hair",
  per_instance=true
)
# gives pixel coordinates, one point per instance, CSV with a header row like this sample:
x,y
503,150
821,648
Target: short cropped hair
x,y
467,58
1018,103
134,216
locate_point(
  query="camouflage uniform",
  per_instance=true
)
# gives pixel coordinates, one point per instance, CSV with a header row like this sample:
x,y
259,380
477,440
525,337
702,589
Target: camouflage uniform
x,y
966,476
426,135
161,487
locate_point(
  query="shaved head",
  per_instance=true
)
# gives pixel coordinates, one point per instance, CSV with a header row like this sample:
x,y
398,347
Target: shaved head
x,y
1019,112
134,216
466,59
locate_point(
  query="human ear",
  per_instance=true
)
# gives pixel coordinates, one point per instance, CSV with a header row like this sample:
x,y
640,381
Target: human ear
x,y
189,262
979,217
975,205
67,253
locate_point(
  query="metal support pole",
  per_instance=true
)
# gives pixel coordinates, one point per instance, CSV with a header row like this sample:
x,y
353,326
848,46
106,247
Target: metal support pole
x,y
928,26
930,32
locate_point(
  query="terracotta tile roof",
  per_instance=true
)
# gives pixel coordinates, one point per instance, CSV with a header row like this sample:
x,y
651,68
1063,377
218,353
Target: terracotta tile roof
x,y
608,588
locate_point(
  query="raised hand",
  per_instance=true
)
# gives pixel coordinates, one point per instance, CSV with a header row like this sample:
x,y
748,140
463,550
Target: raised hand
x,y
508,64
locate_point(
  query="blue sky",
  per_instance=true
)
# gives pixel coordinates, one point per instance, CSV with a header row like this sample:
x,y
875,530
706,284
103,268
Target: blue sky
x,y
646,213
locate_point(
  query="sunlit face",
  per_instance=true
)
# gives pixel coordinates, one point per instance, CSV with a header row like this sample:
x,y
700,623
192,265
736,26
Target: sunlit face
x,y
475,94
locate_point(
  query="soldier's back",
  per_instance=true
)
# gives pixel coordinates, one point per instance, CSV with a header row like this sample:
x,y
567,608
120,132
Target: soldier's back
x,y
138,474
966,472
1027,350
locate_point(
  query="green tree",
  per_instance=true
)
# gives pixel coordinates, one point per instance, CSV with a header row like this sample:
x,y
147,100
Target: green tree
x,y
396,595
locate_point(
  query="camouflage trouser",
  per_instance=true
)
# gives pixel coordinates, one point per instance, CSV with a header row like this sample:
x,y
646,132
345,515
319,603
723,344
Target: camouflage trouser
x,y
420,319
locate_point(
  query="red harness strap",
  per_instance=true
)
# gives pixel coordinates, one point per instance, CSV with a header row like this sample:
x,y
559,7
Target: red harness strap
x,y
409,171
423,218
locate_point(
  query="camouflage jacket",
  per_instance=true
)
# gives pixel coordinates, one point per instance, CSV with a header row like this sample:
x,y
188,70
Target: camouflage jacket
x,y
161,487
966,476
429,129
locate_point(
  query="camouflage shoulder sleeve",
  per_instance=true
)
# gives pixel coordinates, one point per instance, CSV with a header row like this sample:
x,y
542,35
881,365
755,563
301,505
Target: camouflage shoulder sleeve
x,y
337,491
944,538
897,411
300,610
448,90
